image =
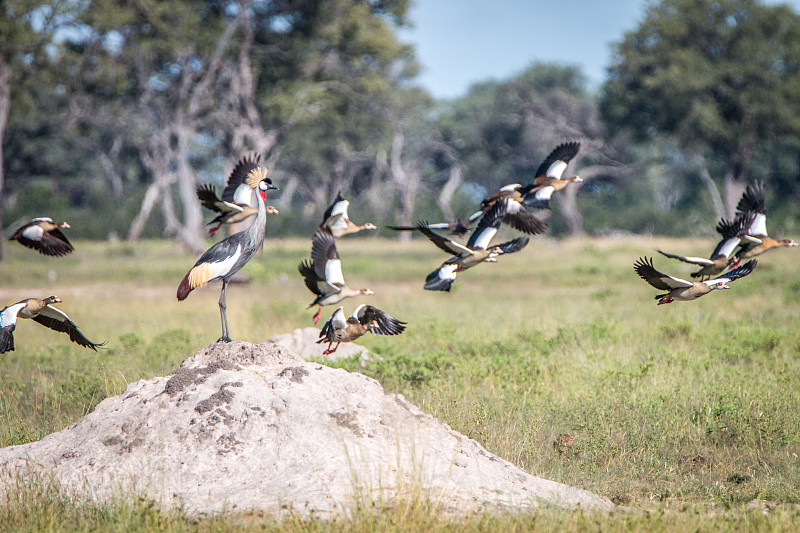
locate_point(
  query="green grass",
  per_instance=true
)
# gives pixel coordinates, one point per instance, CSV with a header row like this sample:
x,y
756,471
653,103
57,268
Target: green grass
x,y
562,338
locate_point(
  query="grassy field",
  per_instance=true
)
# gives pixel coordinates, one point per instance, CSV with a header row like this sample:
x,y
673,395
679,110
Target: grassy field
x,y
686,411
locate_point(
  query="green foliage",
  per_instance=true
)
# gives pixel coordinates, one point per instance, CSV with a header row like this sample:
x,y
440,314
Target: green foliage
x,y
719,77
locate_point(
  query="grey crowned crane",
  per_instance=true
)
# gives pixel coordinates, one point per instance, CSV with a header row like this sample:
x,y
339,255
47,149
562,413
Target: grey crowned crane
x,y
722,256
338,222
41,311
680,289
238,202
229,255
475,252
364,319
323,275
44,236
752,201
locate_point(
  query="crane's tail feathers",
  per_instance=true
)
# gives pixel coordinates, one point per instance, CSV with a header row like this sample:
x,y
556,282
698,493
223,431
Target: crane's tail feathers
x,y
184,289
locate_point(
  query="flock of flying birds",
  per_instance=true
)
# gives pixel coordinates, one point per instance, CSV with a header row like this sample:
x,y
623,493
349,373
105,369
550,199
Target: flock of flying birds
x,y
743,238
245,197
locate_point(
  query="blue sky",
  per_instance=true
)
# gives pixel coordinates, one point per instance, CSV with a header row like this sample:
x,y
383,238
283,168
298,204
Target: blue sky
x,y
460,42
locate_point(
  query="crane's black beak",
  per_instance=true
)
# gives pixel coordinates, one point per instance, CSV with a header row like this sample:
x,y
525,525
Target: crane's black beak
x,y
271,186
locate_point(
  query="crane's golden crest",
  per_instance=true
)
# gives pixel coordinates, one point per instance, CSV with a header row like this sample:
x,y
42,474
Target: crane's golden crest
x,y
255,176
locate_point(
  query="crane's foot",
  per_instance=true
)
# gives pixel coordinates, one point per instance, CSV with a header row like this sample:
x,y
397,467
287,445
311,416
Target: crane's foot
x,y
224,338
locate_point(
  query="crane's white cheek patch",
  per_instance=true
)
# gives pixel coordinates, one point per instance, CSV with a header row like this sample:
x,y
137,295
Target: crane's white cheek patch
x,y
33,233
202,274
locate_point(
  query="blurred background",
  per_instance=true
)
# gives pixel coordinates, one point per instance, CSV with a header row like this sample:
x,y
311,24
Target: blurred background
x,y
113,111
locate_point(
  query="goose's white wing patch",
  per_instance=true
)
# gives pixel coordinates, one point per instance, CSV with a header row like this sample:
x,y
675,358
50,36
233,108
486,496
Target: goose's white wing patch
x,y
333,272
338,218
729,246
485,236
556,170
244,195
544,193
698,260
448,272
33,233
338,320
759,225
675,283
8,315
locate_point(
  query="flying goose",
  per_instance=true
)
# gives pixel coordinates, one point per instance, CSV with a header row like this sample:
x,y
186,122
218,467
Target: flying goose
x,y
44,236
227,212
338,222
364,319
752,201
323,274
512,198
229,255
722,256
550,176
476,251
680,289
238,203
41,311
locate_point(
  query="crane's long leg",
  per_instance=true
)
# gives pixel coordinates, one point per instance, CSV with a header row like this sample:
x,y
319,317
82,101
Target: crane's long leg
x,y
222,308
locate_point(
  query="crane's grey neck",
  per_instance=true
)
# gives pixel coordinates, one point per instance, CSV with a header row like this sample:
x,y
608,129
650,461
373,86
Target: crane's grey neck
x,y
259,226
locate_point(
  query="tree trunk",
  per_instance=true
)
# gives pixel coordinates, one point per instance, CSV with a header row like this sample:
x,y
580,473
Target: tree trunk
x,y
705,177
733,187
407,182
569,210
445,199
5,106
191,230
148,203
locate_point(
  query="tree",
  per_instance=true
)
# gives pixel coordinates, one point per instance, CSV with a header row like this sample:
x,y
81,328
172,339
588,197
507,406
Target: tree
x,y
25,28
720,77
503,130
